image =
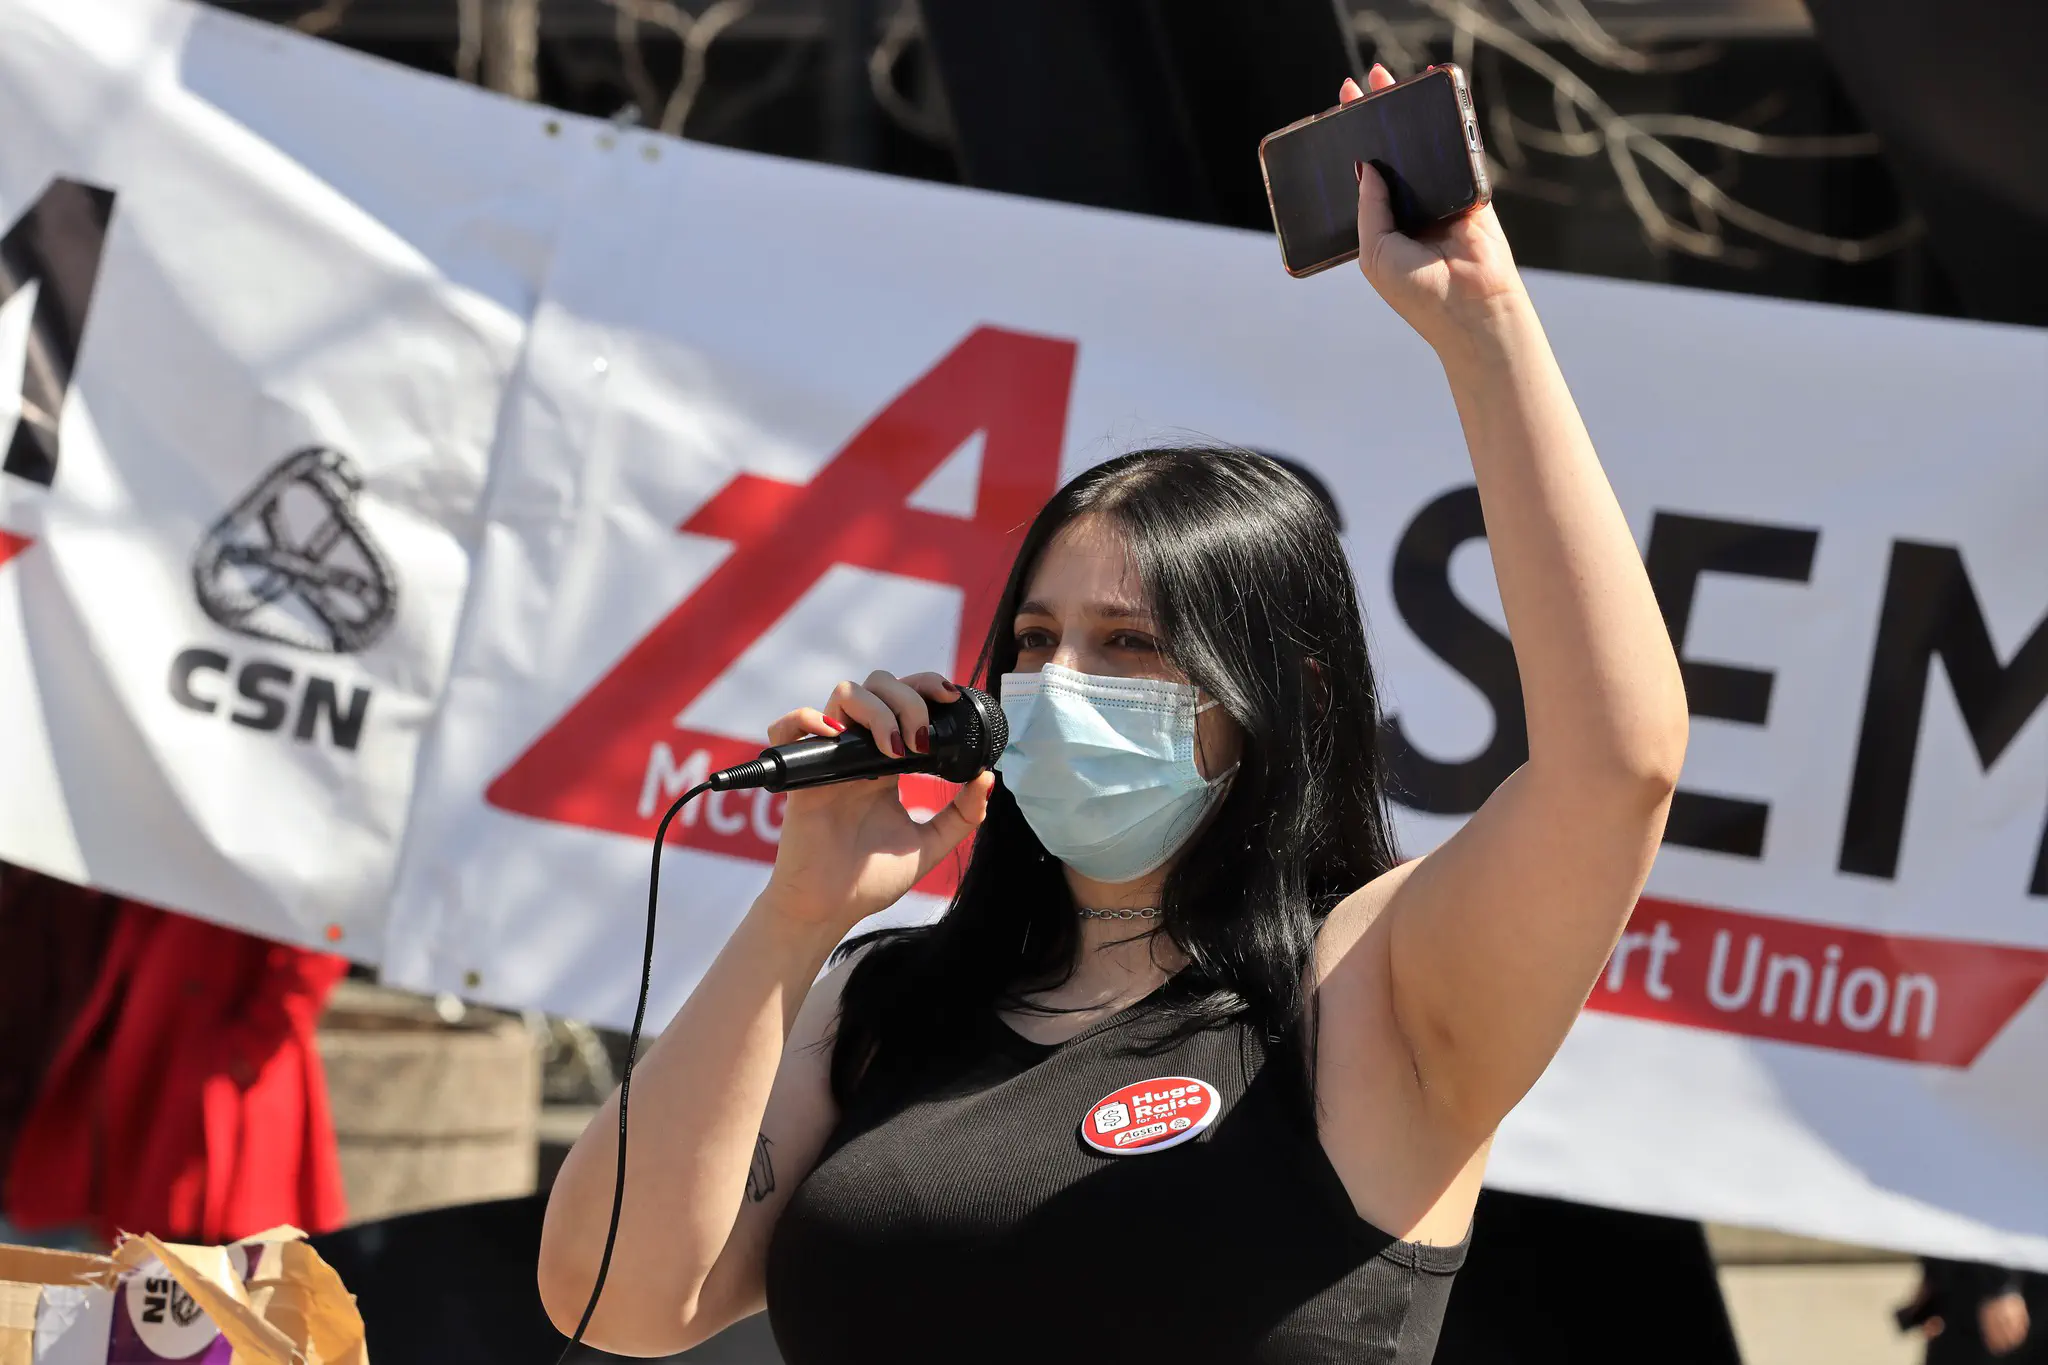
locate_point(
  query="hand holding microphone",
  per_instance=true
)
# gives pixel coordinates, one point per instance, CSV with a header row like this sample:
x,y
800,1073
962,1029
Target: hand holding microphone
x,y
963,738
848,847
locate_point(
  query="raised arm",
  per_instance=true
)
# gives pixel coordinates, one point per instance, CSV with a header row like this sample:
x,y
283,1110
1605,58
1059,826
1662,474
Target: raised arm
x,y
732,1104
1493,941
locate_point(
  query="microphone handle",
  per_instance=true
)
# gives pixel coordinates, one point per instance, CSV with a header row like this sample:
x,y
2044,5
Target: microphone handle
x,y
842,758
966,735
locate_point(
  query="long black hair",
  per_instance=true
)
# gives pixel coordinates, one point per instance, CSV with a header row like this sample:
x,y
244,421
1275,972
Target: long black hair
x,y
1249,586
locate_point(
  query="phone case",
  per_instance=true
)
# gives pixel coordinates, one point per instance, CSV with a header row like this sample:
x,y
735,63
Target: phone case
x,y
1482,185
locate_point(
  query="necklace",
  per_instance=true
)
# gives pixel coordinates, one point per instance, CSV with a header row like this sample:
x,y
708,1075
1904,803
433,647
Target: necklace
x,y
1149,912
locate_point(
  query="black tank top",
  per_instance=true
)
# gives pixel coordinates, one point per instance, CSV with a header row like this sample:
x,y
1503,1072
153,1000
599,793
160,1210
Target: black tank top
x,y
968,1218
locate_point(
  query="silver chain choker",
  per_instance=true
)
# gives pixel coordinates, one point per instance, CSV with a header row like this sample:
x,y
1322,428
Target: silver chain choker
x,y
1149,912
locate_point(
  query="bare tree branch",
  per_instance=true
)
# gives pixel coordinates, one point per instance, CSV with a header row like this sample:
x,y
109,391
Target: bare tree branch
x,y
1387,45
777,81
696,32
633,59
1572,23
323,19
1587,125
1753,144
497,45
469,42
696,52
512,47
930,121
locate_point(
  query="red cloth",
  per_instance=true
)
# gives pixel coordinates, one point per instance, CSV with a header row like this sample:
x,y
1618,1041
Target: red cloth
x,y
188,1099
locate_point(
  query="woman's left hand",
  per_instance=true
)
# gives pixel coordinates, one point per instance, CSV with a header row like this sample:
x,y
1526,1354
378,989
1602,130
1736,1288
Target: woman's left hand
x,y
1453,278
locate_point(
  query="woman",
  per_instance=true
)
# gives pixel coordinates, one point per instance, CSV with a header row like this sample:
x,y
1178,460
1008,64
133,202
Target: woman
x,y
999,1138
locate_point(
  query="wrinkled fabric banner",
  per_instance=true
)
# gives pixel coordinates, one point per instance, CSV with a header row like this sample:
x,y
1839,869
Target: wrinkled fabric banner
x,y
411,492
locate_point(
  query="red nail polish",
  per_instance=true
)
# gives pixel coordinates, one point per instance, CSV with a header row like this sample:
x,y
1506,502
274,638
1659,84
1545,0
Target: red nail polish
x,y
922,740
1358,169
837,727
893,746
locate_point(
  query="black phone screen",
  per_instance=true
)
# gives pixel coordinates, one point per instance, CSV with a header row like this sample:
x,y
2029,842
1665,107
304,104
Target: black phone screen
x,y
1415,133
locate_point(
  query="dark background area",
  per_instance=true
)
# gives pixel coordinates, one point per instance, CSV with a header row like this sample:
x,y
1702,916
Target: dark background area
x,y
1156,106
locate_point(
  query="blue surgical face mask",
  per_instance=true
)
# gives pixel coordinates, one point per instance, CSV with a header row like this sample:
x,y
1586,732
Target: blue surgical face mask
x,y
1103,769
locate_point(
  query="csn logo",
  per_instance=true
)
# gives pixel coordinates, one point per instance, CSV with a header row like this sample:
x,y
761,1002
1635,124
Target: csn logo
x,y
292,564
289,564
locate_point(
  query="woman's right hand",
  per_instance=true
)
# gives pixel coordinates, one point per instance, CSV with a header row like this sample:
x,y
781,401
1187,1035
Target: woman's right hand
x,y
1455,277
850,849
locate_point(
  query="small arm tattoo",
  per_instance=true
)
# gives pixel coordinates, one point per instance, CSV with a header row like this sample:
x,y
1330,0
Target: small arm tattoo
x,y
761,1173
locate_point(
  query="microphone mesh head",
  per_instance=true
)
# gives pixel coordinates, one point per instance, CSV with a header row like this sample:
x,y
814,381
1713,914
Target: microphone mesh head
x,y
984,732
995,723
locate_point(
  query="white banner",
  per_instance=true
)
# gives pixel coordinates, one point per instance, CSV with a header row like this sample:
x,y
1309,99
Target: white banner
x,y
279,351
444,482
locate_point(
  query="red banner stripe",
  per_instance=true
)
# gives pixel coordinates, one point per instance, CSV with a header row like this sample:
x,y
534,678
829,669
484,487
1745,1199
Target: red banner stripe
x,y
1927,1000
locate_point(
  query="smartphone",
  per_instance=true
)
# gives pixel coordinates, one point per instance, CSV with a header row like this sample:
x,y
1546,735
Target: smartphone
x,y
1420,133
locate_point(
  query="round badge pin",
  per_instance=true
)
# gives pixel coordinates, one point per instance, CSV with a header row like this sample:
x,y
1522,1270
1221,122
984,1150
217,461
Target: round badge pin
x,y
1150,1116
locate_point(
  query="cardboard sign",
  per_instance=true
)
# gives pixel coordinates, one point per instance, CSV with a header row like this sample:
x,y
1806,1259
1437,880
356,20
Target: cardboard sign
x,y
268,1300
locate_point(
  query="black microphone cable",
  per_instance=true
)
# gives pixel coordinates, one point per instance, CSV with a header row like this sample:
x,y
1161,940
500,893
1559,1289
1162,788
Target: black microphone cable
x,y
611,1236
970,731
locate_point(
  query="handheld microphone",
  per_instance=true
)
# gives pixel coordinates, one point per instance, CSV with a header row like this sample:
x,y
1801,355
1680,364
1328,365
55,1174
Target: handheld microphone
x,y
967,736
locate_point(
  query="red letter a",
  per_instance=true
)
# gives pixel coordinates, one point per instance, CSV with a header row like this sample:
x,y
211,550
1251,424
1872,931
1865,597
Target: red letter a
x,y
618,749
